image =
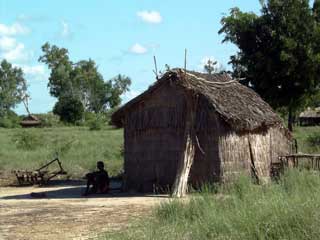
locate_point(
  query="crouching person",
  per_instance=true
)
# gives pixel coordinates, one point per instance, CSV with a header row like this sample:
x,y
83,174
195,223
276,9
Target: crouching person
x,y
98,181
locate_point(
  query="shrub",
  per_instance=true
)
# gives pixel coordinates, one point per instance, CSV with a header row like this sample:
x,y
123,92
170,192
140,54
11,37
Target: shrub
x,y
314,139
10,120
27,140
49,120
70,110
95,125
95,121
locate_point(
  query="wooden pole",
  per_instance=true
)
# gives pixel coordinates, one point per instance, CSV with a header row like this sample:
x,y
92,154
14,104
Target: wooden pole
x,y
155,66
180,186
185,62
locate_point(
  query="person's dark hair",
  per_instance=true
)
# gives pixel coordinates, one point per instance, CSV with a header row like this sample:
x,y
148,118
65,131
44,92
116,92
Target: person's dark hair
x,y
100,163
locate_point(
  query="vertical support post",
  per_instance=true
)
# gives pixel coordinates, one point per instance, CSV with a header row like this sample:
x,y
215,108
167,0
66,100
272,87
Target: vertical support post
x,y
180,186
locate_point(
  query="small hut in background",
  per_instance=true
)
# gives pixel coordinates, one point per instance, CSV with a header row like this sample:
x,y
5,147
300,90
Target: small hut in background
x,y
310,117
196,128
30,121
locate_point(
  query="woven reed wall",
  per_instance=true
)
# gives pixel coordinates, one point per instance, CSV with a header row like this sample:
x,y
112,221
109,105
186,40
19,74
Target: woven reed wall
x,y
239,151
153,140
154,133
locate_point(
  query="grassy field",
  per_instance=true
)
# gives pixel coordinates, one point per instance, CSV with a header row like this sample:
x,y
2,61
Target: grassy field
x,y
79,149
289,209
302,134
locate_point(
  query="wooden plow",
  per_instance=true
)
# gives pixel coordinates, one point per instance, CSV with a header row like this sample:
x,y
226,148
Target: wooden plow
x,y
40,176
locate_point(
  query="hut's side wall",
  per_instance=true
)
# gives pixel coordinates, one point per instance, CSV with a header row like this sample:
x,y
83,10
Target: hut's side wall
x,y
234,155
252,153
153,140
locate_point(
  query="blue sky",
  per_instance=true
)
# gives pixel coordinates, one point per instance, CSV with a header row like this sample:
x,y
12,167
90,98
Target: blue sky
x,y
120,35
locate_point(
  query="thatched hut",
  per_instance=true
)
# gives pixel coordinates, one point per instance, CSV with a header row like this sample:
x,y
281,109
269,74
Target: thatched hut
x,y
208,124
310,117
30,121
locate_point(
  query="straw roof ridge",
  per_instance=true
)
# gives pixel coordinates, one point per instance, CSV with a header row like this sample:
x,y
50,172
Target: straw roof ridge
x,y
238,105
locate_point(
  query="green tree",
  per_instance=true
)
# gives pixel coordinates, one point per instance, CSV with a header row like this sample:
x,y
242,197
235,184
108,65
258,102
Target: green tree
x,y
69,109
82,80
57,60
12,87
116,87
279,51
209,67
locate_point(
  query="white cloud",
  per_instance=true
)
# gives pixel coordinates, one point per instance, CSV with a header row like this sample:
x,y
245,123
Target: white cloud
x,y
10,48
34,70
150,16
7,43
138,49
14,29
34,73
18,53
65,32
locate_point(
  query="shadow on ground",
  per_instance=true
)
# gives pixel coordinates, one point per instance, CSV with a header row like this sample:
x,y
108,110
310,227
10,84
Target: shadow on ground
x,y
71,190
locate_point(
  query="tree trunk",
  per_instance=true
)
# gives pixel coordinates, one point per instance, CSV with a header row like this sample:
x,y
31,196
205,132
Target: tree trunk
x,y
180,186
290,119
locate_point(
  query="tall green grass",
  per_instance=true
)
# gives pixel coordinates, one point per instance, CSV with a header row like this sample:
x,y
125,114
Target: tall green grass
x,y
289,209
79,148
304,136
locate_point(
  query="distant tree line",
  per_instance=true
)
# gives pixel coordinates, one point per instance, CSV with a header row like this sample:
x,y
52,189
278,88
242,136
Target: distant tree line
x,y
78,87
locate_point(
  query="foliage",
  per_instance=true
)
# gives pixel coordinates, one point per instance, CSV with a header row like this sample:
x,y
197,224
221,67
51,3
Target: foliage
x,y
287,210
210,66
302,134
12,87
49,120
26,140
116,87
10,120
97,123
279,53
82,80
70,110
314,139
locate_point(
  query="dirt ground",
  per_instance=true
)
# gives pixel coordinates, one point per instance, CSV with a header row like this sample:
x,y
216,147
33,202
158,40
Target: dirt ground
x,y
64,214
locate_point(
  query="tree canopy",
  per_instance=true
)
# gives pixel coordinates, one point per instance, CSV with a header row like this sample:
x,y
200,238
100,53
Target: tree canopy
x,y
81,80
12,87
279,50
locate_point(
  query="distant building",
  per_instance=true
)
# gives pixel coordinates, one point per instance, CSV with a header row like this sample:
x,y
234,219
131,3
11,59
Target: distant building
x,y
310,117
30,121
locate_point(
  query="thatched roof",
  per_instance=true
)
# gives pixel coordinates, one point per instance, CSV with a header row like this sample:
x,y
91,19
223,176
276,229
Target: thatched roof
x,y
310,113
30,120
238,105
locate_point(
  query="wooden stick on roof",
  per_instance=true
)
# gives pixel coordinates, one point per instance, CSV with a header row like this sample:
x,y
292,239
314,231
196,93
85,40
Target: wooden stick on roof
x,y
156,68
185,62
